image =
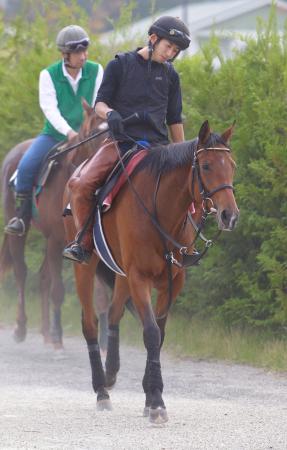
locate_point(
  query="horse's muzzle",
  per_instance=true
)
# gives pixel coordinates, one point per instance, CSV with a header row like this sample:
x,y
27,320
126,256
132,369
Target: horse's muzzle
x,y
227,219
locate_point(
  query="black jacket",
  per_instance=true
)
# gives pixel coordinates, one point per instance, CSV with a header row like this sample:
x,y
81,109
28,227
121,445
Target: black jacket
x,y
129,86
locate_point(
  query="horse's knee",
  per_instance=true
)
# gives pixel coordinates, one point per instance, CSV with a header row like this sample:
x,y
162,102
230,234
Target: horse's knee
x,y
90,327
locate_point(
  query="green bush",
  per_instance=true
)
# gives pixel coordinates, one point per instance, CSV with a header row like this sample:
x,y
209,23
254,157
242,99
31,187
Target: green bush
x,y
244,280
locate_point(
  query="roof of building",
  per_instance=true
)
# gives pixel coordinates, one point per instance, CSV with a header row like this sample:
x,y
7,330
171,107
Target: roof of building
x,y
207,14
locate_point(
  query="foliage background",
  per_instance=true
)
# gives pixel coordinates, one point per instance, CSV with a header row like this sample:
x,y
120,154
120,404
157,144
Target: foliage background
x,y
242,282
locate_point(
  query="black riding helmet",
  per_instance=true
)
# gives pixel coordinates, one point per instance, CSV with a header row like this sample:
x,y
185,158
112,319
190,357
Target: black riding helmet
x,y
172,29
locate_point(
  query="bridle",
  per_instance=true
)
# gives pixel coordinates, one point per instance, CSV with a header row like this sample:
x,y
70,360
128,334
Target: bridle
x,y
206,195
189,260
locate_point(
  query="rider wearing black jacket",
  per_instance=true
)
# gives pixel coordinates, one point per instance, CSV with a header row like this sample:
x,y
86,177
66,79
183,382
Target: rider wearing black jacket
x,y
142,81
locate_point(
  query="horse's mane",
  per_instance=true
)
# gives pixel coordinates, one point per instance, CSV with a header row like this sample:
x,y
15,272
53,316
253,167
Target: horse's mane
x,y
164,158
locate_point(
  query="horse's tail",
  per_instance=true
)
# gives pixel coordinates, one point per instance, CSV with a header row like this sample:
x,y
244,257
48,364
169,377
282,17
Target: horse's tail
x,y
5,257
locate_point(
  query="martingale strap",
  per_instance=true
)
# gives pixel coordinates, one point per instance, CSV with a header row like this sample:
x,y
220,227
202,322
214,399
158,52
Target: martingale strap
x,y
102,247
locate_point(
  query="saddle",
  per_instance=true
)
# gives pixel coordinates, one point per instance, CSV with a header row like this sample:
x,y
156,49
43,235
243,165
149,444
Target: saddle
x,y
106,193
48,166
46,169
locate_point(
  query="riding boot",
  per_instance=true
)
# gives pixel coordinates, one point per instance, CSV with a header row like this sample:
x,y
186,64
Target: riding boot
x,y
19,224
83,187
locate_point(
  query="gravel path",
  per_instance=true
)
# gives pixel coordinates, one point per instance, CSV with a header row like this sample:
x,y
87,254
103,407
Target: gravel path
x,y
46,402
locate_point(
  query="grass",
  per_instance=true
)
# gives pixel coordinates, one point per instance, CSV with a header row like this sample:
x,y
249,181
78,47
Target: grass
x,y
205,340
184,338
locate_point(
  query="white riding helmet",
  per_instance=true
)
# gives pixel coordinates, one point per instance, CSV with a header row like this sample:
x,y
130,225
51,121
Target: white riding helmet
x,y
72,39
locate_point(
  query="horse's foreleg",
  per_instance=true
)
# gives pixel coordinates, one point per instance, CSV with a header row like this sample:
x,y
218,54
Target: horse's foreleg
x,y
84,275
161,312
120,295
141,295
57,290
16,247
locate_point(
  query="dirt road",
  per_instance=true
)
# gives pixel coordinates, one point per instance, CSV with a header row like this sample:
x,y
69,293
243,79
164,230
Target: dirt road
x,y
46,402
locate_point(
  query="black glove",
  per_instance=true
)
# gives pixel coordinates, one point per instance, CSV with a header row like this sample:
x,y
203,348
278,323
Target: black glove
x,y
115,123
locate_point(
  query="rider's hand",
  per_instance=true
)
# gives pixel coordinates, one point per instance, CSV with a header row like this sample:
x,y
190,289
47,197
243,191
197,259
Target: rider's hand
x,y
71,135
115,123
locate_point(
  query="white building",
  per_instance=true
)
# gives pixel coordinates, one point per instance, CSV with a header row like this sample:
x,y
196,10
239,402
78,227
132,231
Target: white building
x,y
227,17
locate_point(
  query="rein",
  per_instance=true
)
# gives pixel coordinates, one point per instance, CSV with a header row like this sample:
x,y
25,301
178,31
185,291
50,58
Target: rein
x,y
205,195
187,260
63,150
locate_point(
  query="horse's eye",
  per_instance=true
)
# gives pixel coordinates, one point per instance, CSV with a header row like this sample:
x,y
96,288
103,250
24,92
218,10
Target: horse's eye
x,y
205,166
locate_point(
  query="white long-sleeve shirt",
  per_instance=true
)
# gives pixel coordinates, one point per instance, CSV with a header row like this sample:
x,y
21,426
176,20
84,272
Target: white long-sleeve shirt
x,y
48,98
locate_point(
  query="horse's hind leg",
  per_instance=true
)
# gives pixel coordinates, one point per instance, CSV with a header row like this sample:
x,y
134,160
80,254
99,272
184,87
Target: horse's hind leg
x,y
17,246
84,275
102,302
120,296
57,290
45,284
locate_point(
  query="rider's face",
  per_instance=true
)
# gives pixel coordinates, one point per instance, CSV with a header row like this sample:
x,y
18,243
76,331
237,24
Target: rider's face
x,y
77,60
164,50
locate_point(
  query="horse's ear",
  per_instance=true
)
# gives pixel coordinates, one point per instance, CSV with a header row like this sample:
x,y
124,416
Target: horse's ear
x,y
227,135
204,133
86,106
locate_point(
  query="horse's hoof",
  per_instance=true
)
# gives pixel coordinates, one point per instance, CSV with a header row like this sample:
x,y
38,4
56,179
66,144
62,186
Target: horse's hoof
x,y
104,405
47,339
158,415
146,411
59,355
58,346
19,334
110,380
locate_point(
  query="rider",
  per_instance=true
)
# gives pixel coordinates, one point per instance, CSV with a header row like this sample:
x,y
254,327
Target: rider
x,y
144,81
61,88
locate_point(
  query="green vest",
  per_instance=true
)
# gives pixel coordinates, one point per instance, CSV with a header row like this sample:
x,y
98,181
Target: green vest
x,y
69,103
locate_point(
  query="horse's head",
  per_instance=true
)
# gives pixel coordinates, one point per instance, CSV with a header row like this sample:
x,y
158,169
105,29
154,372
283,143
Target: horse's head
x,y
215,168
92,124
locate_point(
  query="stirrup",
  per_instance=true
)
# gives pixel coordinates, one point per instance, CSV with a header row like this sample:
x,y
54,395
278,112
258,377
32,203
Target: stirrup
x,y
76,253
11,227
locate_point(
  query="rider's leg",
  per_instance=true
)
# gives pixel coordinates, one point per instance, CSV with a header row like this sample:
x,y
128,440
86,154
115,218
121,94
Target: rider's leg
x,y
27,172
82,188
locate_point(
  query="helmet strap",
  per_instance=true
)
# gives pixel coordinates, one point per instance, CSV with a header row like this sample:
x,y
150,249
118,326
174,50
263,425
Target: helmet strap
x,y
67,61
150,50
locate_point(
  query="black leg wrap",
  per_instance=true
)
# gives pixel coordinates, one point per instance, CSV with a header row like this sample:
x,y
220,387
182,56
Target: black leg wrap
x,y
162,338
56,327
145,382
98,376
153,369
113,356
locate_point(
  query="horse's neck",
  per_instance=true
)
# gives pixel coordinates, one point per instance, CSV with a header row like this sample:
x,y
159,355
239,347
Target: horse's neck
x,y
174,194
80,154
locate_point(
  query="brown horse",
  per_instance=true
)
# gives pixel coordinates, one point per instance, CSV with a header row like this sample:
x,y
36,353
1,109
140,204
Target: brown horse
x,y
149,237
49,222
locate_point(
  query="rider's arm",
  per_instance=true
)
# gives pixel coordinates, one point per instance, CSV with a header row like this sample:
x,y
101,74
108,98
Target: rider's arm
x,y
174,109
102,109
176,132
49,104
108,88
98,82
